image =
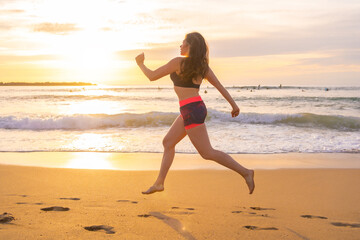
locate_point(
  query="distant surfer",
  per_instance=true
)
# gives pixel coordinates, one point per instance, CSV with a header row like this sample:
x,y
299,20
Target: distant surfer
x,y
187,73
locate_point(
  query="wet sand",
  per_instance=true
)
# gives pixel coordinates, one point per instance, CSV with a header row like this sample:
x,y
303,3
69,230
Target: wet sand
x,y
182,161
58,203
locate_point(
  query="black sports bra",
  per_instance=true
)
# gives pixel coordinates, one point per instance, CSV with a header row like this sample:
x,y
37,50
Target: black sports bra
x,y
182,83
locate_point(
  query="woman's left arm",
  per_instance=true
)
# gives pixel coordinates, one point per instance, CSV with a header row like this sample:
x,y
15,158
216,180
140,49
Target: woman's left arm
x,y
210,76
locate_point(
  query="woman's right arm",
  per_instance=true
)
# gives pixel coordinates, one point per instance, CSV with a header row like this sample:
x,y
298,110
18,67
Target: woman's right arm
x,y
210,76
170,67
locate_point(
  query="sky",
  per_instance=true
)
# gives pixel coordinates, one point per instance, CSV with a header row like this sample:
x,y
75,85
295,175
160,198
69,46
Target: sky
x,y
288,42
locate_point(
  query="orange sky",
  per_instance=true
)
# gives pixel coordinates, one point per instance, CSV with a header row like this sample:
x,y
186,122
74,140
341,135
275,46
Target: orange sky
x,y
251,42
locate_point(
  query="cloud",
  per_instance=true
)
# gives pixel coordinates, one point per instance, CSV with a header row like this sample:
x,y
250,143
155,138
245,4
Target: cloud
x,y
106,29
56,28
339,37
158,53
11,11
350,57
6,59
5,26
338,34
118,1
10,18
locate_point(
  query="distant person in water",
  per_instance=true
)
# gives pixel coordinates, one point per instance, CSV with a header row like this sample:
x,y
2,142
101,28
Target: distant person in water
x,y
187,73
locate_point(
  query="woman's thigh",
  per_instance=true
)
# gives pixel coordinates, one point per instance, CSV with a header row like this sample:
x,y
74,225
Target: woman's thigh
x,y
176,132
200,139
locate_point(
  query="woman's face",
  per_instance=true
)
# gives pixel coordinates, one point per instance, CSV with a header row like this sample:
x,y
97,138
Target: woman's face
x,y
184,48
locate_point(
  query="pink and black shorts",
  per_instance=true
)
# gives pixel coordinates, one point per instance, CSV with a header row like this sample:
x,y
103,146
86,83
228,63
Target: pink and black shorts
x,y
193,111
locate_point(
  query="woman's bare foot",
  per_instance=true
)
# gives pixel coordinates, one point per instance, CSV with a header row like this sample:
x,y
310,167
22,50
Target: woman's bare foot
x,y
154,188
250,181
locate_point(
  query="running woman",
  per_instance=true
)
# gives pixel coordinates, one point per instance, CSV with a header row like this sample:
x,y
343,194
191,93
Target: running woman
x,y
187,73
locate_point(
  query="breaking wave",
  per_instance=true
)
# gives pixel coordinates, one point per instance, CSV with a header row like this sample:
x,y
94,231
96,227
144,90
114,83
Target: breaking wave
x,y
155,119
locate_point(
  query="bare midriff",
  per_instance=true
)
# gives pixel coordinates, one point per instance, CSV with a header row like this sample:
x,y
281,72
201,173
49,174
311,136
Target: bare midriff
x,y
185,93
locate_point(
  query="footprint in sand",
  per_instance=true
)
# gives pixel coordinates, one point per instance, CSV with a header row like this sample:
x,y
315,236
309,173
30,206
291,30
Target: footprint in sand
x,y
181,212
6,218
75,199
107,229
17,195
56,208
183,208
259,228
29,203
352,225
260,208
253,213
191,209
250,213
312,216
134,202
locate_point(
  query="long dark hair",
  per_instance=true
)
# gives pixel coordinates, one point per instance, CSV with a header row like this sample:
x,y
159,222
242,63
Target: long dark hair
x,y
197,63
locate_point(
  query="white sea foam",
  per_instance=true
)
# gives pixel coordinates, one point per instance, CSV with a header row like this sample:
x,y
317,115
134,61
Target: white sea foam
x,y
83,122
155,119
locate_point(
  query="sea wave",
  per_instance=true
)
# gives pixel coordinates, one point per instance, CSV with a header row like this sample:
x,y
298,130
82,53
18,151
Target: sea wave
x,y
332,122
89,121
344,123
155,119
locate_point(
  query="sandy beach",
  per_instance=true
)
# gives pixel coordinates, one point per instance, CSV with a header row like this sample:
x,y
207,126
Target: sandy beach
x,y
59,203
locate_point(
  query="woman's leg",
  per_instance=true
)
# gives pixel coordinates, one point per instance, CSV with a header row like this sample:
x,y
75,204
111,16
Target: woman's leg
x,y
174,135
200,139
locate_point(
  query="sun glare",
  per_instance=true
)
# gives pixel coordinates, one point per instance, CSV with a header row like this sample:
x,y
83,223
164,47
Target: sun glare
x,y
88,51
93,142
90,160
95,107
87,58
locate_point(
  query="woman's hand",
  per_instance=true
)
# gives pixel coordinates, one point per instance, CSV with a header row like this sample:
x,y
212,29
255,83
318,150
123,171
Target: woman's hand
x,y
140,59
235,112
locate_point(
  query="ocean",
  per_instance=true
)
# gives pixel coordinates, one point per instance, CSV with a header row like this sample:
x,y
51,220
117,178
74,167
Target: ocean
x,y
135,119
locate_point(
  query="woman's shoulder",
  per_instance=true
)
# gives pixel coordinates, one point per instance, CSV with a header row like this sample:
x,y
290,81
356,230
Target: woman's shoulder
x,y
177,59
176,62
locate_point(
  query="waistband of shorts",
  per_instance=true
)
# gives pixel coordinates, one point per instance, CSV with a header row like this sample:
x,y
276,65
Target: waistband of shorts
x,y
190,100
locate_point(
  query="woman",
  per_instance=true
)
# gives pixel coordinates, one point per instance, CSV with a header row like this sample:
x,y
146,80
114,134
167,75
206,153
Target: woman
x,y
187,74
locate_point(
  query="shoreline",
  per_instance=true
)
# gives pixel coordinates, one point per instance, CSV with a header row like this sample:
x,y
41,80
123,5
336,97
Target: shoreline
x,y
182,161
